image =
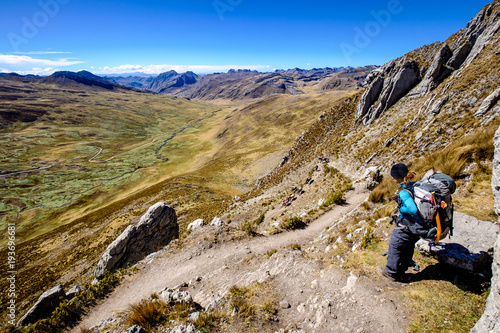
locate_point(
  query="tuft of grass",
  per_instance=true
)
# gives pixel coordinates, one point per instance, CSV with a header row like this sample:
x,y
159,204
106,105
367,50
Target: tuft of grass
x,y
146,313
365,206
270,253
274,231
335,197
296,247
180,312
384,191
292,223
270,309
239,302
253,307
331,171
208,322
153,312
369,238
452,160
260,219
249,227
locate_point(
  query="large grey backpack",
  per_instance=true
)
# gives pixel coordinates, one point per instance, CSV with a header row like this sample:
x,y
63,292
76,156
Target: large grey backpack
x,y
432,196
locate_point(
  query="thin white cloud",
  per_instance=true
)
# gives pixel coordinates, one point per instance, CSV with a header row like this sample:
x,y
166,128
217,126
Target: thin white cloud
x,y
34,71
21,61
42,52
157,69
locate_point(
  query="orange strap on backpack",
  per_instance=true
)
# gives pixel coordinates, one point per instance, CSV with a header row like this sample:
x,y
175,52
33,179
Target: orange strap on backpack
x,y
438,221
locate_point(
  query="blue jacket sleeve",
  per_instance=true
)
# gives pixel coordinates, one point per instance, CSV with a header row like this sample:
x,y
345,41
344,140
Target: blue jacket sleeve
x,y
407,204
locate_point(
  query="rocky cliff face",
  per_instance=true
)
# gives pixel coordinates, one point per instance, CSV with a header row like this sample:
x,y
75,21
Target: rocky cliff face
x,y
420,72
490,321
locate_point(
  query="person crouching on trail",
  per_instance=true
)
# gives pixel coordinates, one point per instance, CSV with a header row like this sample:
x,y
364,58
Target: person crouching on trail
x,y
404,236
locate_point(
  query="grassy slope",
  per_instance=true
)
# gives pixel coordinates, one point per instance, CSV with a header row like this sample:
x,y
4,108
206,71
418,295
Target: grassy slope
x,y
128,126
203,168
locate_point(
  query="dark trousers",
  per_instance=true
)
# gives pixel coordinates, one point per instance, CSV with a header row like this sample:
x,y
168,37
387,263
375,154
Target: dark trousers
x,y
400,252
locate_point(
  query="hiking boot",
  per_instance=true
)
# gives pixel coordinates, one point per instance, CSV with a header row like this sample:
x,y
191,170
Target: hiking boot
x,y
382,272
394,278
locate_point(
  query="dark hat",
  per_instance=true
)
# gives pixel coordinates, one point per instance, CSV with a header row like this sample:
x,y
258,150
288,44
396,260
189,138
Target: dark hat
x,y
399,171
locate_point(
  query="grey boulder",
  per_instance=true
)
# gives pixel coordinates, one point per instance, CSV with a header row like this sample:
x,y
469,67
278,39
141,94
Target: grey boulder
x,y
44,307
175,296
156,228
468,247
196,224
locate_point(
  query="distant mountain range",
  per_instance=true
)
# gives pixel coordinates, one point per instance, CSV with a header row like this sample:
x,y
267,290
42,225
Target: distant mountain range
x,y
233,85
248,84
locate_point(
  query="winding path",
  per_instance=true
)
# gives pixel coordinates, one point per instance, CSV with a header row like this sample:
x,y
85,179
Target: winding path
x,y
170,271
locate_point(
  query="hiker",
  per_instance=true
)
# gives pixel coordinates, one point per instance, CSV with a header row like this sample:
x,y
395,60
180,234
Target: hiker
x,y
407,230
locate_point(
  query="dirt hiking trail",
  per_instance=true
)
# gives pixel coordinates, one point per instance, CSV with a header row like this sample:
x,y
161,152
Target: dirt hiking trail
x,y
220,267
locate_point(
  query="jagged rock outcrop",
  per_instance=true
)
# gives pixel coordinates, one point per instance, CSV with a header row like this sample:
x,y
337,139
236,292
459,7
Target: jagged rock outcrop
x,y
488,103
438,105
436,73
490,320
456,255
481,29
156,228
43,308
459,56
401,78
369,97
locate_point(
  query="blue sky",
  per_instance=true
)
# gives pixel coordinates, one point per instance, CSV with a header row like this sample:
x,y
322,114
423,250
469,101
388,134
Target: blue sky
x,y
151,36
